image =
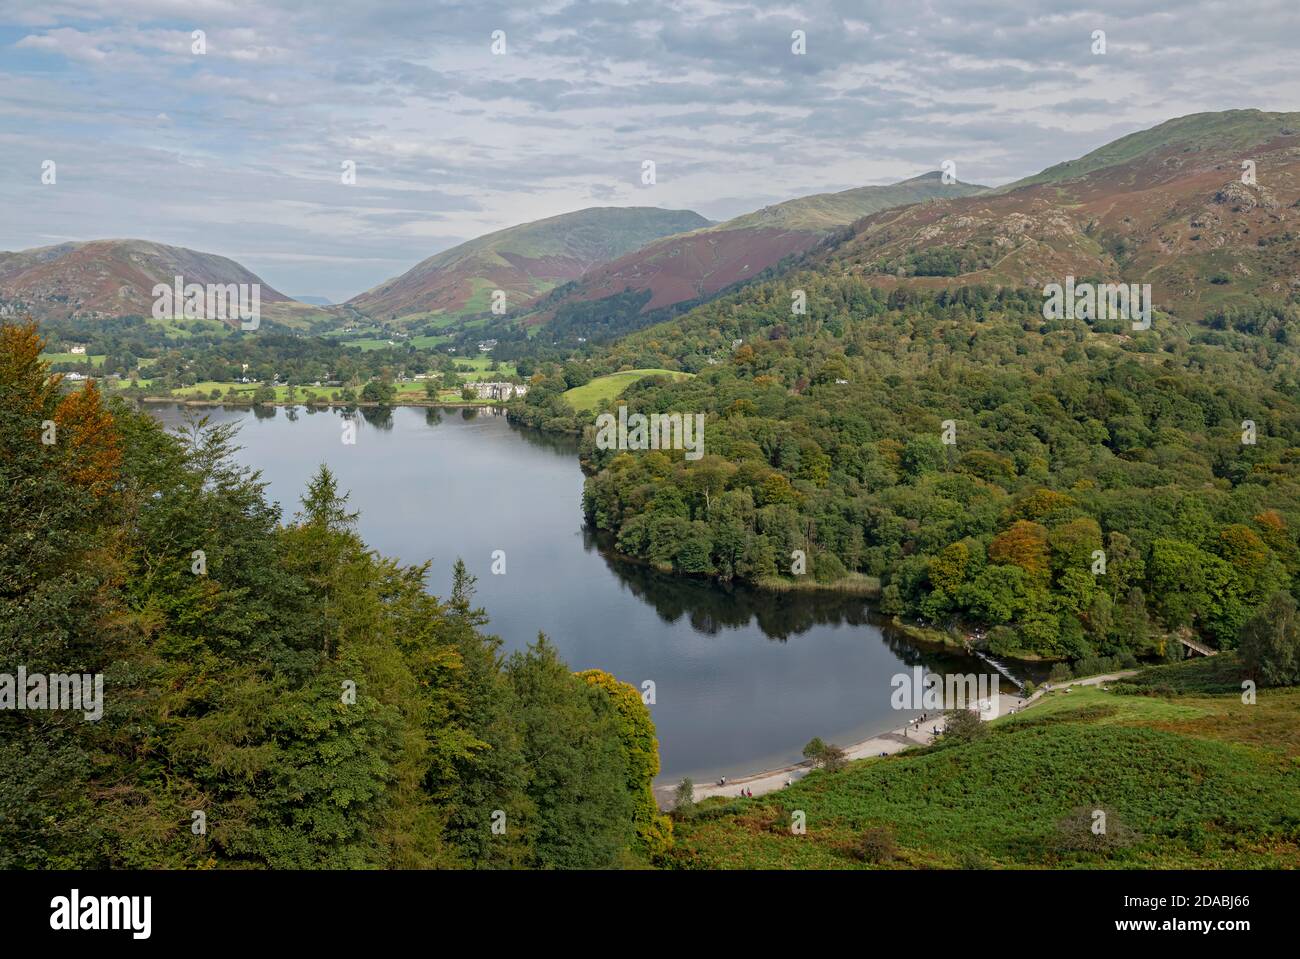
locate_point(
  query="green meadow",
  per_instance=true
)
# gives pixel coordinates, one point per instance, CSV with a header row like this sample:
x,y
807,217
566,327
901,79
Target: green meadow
x,y
604,388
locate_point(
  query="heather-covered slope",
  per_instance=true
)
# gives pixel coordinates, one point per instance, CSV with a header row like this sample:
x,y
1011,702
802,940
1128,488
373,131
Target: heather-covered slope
x,y
108,278
700,264
525,261
1166,206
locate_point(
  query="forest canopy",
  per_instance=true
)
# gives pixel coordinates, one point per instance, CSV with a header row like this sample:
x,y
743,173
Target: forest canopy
x,y
1074,489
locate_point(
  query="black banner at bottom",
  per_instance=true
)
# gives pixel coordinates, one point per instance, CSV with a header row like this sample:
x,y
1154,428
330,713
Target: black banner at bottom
x,y
229,908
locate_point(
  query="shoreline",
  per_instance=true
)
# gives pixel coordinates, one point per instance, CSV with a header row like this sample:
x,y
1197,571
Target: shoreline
x,y
332,404
890,742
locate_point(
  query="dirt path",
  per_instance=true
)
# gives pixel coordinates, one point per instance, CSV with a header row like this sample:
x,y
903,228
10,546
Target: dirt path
x,y
896,740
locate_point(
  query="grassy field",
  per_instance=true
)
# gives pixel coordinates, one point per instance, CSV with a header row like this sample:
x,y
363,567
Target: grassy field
x,y
1192,780
602,388
480,363
94,359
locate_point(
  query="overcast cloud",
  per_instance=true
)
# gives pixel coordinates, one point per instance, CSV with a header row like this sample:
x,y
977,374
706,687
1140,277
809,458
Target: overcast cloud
x,y
238,151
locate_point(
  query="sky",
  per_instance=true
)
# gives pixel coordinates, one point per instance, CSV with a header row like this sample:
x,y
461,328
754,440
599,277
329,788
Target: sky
x,y
240,149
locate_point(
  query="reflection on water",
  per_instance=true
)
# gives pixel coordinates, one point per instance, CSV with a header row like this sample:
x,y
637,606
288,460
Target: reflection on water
x,y
710,607
743,678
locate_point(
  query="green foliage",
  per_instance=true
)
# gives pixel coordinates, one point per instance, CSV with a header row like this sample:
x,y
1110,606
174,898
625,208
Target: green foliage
x,y
308,696
576,762
1097,500
641,756
1270,642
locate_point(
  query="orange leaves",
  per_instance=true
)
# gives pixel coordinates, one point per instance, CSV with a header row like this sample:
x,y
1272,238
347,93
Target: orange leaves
x,y
87,446
1023,545
25,384
91,443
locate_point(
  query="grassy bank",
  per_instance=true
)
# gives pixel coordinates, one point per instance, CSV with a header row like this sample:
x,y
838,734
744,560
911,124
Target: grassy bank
x,y
852,584
1192,780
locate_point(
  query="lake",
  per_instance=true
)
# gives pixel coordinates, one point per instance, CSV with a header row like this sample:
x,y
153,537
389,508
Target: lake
x,y
742,678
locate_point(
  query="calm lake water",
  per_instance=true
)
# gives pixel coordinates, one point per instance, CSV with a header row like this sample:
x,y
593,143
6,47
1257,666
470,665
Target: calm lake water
x,y
743,679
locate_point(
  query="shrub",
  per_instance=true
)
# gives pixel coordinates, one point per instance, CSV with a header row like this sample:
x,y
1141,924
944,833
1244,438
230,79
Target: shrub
x,y
828,568
1091,829
876,845
1060,673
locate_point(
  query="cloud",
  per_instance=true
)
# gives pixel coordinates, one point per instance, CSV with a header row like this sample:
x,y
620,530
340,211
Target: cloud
x,y
239,148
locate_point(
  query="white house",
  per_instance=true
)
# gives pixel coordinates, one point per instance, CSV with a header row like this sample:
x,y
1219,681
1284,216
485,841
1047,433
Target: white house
x,y
499,391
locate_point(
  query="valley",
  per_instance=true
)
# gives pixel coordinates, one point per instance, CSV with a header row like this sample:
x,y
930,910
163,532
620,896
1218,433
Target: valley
x,y
1051,428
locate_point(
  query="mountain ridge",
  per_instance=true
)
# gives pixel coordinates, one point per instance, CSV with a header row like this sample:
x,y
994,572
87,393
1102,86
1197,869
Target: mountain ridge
x,y
524,260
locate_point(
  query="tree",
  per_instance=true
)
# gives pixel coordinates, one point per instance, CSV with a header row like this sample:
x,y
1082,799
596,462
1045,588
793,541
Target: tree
x,y
684,797
963,726
824,755
641,755
814,750
574,755
1023,545
379,391
833,758
1269,643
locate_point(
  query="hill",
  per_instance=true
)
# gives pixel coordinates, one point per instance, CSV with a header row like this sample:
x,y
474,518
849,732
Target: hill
x,y
620,295
976,456
98,279
1165,206
525,261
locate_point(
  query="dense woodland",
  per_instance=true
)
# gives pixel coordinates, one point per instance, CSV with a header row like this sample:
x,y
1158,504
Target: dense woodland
x,y
825,434
307,696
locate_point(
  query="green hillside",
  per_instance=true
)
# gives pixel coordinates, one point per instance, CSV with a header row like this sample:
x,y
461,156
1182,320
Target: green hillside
x,y
598,233
525,261
826,211
1186,781
1198,131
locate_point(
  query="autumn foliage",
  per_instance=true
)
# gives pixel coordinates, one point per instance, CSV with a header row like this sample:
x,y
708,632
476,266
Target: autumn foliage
x,y
86,447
